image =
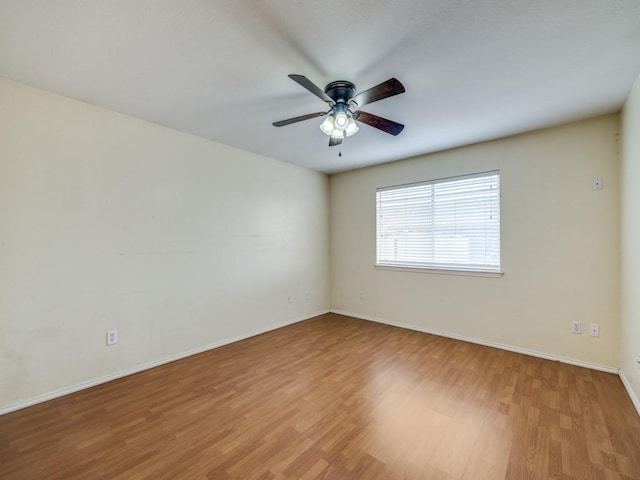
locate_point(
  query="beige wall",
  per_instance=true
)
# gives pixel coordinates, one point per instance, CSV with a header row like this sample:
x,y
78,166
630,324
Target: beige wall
x,y
630,241
559,246
111,222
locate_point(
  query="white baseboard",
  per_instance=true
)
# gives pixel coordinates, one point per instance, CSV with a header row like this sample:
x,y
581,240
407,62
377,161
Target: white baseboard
x,y
130,371
139,368
501,346
632,394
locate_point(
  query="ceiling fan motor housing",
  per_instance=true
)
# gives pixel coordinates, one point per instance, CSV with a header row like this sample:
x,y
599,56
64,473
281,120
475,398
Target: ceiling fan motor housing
x,y
340,91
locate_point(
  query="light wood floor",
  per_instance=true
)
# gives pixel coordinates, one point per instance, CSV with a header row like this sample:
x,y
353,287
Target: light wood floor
x,y
335,398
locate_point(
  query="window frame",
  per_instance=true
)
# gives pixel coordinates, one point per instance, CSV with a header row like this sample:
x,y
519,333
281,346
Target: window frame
x,y
458,269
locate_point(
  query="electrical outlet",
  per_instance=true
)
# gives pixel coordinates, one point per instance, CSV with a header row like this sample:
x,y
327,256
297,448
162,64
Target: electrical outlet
x,y
594,330
307,295
363,295
290,299
112,337
576,327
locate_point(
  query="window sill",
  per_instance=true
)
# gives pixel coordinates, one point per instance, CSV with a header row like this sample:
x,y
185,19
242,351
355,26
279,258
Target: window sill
x,y
441,271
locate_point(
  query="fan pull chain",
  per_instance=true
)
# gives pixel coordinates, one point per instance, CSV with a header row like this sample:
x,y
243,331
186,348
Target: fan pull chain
x,y
340,151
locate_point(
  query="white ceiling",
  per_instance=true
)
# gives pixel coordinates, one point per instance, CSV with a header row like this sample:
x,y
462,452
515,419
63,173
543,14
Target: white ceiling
x,y
474,70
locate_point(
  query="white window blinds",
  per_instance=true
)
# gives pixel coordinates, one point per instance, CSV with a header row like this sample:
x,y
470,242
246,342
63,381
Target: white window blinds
x,y
452,224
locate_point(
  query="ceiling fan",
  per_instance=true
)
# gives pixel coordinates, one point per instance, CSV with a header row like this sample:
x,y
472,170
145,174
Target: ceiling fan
x,y
343,114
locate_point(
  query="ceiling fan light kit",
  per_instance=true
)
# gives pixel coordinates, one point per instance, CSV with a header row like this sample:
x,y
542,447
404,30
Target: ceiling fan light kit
x,y
341,120
339,123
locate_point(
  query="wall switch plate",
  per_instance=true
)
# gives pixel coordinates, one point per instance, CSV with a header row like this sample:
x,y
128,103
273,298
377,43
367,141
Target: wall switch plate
x,y
594,330
307,295
112,337
363,295
575,326
290,299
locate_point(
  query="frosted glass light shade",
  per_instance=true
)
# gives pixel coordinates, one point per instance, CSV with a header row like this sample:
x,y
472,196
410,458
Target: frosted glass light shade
x,y
327,125
341,121
352,127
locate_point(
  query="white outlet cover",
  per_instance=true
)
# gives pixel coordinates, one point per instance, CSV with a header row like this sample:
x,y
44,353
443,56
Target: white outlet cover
x,y
112,337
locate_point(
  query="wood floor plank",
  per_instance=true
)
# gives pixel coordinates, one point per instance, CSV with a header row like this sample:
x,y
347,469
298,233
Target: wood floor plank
x,y
335,398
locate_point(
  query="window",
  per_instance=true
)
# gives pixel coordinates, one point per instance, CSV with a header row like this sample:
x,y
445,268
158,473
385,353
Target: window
x,y
448,224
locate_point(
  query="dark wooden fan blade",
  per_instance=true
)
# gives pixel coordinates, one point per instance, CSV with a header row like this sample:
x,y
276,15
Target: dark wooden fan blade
x,y
389,126
312,87
386,89
289,121
334,141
